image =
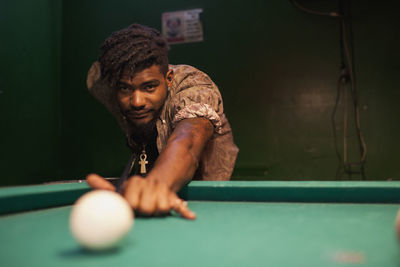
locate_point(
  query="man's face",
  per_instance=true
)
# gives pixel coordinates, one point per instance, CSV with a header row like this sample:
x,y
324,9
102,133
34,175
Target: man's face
x,y
142,96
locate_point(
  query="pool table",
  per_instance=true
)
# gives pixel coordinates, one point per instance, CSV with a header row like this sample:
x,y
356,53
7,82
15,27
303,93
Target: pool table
x,y
260,223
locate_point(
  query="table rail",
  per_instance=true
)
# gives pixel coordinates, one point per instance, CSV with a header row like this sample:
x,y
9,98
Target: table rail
x,y
26,198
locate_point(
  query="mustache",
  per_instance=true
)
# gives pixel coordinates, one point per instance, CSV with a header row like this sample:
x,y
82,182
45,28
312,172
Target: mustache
x,y
138,112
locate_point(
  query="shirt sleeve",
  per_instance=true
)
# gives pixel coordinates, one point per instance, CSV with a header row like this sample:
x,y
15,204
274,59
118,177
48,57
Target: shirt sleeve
x,y
198,99
199,110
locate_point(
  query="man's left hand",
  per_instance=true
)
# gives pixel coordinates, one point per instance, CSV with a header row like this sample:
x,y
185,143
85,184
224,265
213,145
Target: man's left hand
x,y
146,196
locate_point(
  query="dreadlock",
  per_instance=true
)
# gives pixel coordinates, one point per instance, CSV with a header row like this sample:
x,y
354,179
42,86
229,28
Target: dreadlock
x,y
134,49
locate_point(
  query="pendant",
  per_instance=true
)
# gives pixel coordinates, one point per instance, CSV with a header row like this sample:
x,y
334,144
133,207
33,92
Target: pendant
x,y
143,161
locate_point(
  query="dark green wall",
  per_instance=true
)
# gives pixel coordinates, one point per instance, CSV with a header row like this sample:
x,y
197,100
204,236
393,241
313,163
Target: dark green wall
x,y
30,33
276,67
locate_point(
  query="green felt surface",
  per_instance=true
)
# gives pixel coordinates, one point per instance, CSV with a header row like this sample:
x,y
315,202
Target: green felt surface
x,y
224,234
239,224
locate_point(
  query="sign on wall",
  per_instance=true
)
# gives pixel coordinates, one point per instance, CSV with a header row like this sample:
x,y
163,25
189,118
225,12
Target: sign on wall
x,y
182,26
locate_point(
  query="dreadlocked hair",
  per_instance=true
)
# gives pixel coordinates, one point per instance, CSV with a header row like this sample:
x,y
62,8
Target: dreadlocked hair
x,y
132,49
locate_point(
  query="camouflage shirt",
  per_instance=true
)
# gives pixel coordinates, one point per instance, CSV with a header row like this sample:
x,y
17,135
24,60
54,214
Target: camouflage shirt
x,y
192,95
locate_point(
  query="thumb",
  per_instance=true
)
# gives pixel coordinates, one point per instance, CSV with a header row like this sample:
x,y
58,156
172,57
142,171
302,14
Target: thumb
x,y
97,182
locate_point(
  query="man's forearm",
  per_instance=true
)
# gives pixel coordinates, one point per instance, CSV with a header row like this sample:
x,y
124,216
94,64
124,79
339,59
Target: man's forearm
x,y
178,162
175,166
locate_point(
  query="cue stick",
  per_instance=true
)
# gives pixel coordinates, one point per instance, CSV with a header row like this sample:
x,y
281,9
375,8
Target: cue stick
x,y
126,173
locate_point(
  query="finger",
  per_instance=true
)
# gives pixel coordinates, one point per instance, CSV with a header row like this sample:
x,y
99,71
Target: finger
x,y
97,182
163,204
133,191
180,206
148,199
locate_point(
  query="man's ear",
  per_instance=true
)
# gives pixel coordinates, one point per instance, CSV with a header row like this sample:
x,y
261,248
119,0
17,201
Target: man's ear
x,y
93,74
170,77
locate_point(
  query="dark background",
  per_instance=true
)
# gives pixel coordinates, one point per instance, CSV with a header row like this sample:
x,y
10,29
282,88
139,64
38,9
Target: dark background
x,y
276,66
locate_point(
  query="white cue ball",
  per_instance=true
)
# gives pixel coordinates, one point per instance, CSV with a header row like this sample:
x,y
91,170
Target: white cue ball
x,y
100,219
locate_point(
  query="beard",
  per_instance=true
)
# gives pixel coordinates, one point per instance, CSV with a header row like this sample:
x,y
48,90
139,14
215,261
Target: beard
x,y
144,132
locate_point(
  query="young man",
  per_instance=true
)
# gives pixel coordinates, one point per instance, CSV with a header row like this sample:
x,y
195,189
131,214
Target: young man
x,y
172,116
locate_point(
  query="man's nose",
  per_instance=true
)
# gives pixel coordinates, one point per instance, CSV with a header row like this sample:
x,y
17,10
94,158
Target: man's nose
x,y
138,100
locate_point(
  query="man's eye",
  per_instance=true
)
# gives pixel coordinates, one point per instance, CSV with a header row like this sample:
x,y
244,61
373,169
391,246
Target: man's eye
x,y
149,87
124,89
